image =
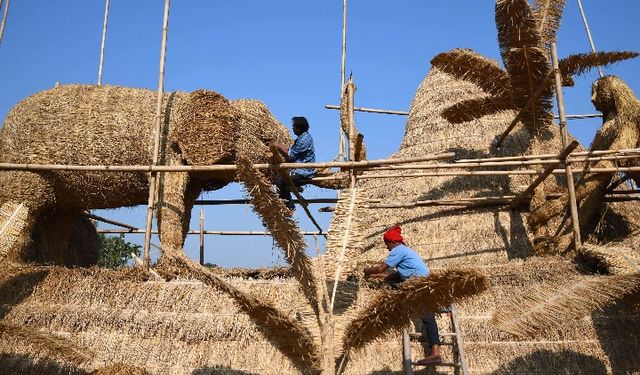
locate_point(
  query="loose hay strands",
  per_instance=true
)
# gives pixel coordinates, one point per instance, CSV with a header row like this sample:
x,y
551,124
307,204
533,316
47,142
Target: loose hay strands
x,y
120,369
550,306
12,221
516,25
291,338
548,14
473,67
54,347
472,109
391,310
613,260
285,231
581,63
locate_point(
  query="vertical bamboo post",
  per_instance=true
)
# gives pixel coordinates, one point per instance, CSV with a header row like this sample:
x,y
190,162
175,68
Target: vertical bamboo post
x,y
104,38
565,140
342,70
202,236
586,27
156,135
351,136
4,18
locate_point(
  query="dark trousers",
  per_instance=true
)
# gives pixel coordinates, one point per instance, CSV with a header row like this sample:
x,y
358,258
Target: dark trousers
x,y
283,189
430,327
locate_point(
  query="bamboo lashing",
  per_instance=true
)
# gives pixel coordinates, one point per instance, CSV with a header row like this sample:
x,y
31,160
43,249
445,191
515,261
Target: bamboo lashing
x,y
547,171
588,30
102,43
575,221
287,179
536,94
156,135
4,18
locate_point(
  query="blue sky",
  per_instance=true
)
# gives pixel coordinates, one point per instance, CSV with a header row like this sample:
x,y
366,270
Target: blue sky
x,y
287,54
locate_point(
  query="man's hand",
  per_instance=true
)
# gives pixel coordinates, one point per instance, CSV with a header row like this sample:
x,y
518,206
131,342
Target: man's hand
x,y
378,268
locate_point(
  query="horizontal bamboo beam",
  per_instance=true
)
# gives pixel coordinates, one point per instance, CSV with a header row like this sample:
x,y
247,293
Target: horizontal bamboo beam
x,y
108,221
628,151
220,202
207,232
517,201
580,117
219,167
371,110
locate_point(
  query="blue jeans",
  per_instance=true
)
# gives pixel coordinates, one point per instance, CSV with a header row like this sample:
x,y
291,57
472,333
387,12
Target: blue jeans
x,y
430,326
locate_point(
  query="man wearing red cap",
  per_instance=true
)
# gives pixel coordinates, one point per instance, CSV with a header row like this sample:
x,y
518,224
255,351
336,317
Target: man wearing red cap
x,y
407,264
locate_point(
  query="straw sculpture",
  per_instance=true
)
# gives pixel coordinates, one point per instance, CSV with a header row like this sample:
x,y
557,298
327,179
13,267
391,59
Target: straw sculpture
x,y
522,35
609,260
285,232
109,125
120,369
12,222
621,111
361,150
391,310
551,306
291,338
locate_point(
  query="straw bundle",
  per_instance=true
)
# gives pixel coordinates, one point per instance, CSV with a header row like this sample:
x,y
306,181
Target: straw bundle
x,y
576,65
551,306
609,260
284,229
120,369
548,14
516,25
12,222
392,309
292,339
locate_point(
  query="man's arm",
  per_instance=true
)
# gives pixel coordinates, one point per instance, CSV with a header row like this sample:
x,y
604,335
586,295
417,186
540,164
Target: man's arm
x,y
282,148
378,268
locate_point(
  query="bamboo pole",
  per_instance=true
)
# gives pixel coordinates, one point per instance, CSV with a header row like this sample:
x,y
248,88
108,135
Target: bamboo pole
x,y
4,18
370,110
588,30
536,94
202,236
343,63
547,171
104,38
351,136
220,202
580,117
206,232
287,179
109,221
565,139
524,172
156,135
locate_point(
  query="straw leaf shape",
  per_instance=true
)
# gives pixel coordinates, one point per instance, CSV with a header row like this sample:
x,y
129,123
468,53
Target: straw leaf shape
x,y
291,338
612,260
473,67
581,63
50,345
13,219
391,310
517,27
283,228
548,14
476,108
549,306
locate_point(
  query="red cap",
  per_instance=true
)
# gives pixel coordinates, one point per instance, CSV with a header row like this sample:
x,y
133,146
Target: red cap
x,y
394,234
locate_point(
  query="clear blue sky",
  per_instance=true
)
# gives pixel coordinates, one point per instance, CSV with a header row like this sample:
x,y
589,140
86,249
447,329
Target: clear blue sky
x,y
287,54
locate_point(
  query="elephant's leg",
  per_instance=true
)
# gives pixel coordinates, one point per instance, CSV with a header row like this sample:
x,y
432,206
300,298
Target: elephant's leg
x,y
36,193
66,238
173,216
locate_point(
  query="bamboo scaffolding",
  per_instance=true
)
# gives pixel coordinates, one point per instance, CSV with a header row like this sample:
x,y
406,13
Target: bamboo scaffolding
x,y
536,94
494,173
343,63
588,30
102,43
565,139
206,232
109,221
156,134
220,202
628,151
202,236
517,201
4,18
287,179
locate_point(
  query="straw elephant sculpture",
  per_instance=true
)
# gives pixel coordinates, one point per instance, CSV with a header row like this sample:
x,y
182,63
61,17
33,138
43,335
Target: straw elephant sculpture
x,y
108,125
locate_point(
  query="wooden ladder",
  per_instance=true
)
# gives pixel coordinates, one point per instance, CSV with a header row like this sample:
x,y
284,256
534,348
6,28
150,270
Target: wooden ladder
x,y
459,359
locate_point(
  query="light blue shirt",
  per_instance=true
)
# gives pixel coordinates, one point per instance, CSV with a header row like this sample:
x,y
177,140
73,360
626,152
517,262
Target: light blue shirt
x,y
302,151
407,262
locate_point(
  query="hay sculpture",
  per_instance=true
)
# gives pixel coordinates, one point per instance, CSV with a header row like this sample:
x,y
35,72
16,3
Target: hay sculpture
x,y
620,130
551,306
391,310
12,223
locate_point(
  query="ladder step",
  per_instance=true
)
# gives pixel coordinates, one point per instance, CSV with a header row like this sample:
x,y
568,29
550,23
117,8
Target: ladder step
x,y
418,336
443,364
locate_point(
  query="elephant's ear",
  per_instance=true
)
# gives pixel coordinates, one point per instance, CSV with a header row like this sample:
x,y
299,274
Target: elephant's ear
x,y
206,129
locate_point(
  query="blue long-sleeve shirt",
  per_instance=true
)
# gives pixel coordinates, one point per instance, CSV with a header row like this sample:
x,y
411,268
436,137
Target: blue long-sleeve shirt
x,y
303,151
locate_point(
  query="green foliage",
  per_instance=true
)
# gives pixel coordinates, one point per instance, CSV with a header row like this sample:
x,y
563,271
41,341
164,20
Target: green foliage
x,y
115,252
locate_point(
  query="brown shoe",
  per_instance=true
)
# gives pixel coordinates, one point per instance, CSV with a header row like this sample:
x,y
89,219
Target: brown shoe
x,y
430,360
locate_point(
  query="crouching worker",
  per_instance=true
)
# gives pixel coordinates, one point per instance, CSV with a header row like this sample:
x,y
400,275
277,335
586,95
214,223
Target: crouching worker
x,y
302,151
407,264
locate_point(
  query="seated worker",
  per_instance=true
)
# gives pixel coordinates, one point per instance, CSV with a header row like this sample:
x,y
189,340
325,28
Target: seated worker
x,y
408,264
302,151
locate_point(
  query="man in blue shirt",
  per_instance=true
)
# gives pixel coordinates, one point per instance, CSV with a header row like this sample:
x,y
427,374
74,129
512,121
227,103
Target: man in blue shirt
x,y
302,151
407,264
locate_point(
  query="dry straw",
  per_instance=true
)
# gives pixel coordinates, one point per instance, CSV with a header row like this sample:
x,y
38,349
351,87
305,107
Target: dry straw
x,y
13,219
548,14
120,369
550,306
610,260
393,309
